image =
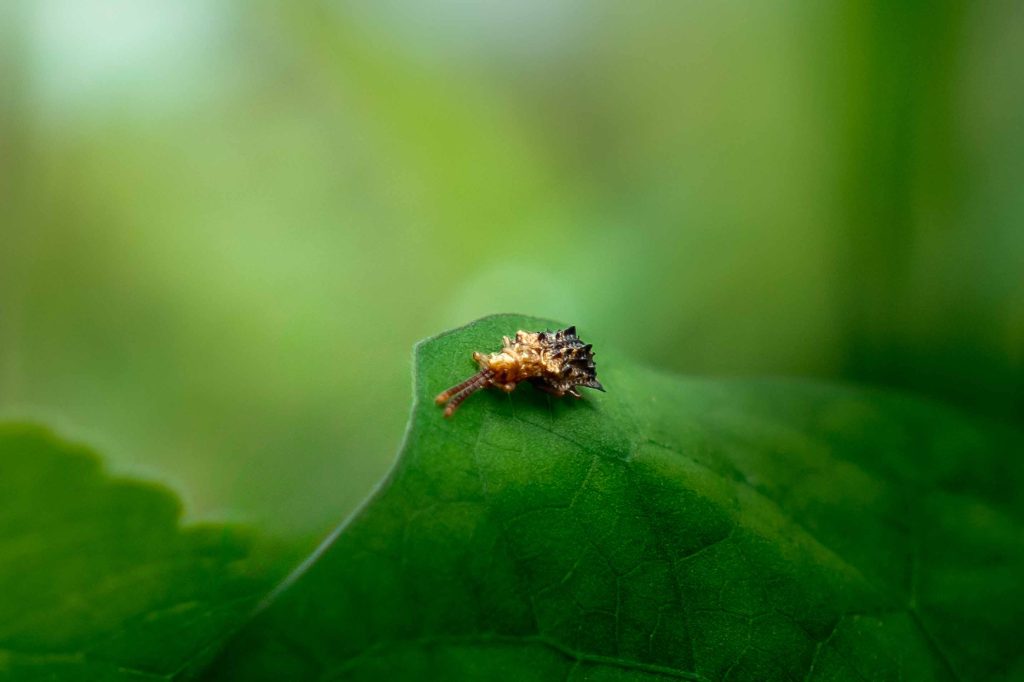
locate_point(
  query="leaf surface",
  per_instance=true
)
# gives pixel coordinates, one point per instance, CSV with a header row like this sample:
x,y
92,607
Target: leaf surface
x,y
670,528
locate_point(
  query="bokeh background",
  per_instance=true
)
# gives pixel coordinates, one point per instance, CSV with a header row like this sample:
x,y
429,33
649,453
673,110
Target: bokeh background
x,y
224,224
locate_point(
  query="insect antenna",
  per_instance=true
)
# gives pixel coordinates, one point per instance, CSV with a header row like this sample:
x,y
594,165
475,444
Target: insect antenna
x,y
446,395
459,392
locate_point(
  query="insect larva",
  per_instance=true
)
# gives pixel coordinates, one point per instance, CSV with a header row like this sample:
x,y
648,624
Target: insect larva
x,y
555,362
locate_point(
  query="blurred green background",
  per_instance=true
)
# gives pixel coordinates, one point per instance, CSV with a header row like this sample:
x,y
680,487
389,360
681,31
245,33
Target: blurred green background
x,y
225,224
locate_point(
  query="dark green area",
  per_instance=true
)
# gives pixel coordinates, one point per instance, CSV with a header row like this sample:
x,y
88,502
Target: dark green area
x,y
99,579
670,528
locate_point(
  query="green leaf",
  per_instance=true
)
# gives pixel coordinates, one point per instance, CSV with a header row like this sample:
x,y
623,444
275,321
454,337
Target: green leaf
x,y
670,528
98,581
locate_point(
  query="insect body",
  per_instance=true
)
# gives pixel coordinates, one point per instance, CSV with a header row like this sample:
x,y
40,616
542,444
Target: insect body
x,y
555,362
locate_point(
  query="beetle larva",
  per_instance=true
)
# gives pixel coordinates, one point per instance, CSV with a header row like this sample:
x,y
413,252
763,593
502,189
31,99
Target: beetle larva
x,y
555,362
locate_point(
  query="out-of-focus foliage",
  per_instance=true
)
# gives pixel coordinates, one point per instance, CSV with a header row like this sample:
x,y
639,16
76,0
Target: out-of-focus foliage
x,y
225,224
99,580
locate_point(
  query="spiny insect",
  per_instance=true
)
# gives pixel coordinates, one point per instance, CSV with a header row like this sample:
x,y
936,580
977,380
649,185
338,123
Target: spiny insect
x,y
555,362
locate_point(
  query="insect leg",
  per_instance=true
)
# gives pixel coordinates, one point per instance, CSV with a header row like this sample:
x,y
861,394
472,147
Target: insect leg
x,y
548,389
